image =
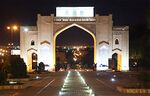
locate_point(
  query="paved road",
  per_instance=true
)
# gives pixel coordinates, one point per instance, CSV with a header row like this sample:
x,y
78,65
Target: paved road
x,y
53,84
102,85
75,85
47,85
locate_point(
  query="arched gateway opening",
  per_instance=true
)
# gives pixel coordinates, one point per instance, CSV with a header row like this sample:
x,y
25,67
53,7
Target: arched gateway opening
x,y
34,60
114,61
79,27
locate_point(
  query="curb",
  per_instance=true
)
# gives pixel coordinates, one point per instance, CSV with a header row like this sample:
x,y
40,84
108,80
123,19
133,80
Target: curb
x,y
14,87
133,90
19,80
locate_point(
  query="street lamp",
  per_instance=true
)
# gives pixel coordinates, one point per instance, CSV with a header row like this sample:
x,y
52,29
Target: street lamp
x,y
12,29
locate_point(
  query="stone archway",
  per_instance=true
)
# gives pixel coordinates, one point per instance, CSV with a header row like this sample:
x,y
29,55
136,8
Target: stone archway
x,y
99,27
67,27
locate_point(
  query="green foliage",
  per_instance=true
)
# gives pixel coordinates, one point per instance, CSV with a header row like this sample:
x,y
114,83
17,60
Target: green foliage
x,y
3,76
144,79
4,69
139,46
145,43
18,68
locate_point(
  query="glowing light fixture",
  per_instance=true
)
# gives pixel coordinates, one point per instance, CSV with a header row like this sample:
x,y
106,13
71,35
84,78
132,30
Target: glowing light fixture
x,y
26,29
37,77
113,79
8,27
15,27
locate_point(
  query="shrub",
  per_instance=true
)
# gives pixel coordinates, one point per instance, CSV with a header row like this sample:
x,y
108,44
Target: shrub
x,y
3,75
18,67
144,79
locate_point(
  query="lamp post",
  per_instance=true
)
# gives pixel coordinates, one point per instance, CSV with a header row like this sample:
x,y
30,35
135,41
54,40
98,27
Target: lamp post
x,y
12,30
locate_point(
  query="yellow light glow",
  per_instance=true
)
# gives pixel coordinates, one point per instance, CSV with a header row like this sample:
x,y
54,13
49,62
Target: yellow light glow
x,y
75,59
2,54
119,62
8,27
15,27
67,27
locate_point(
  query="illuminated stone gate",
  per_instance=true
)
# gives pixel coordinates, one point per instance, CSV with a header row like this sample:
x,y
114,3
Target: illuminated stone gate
x,y
40,40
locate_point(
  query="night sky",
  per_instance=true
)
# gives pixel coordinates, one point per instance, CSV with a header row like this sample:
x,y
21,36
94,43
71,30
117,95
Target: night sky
x,y
74,36
24,12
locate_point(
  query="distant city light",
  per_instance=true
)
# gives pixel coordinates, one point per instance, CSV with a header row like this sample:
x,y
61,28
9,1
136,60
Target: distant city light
x,y
8,27
113,79
3,52
114,75
75,59
15,52
15,27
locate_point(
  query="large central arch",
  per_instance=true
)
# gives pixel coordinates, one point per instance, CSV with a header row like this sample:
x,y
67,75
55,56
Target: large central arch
x,y
67,27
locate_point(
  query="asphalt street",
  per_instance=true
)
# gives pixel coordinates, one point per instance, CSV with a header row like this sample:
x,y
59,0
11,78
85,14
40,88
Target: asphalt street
x,y
51,84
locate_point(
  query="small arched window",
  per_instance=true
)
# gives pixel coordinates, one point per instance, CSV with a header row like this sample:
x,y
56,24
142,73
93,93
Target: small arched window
x,y
116,41
32,43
